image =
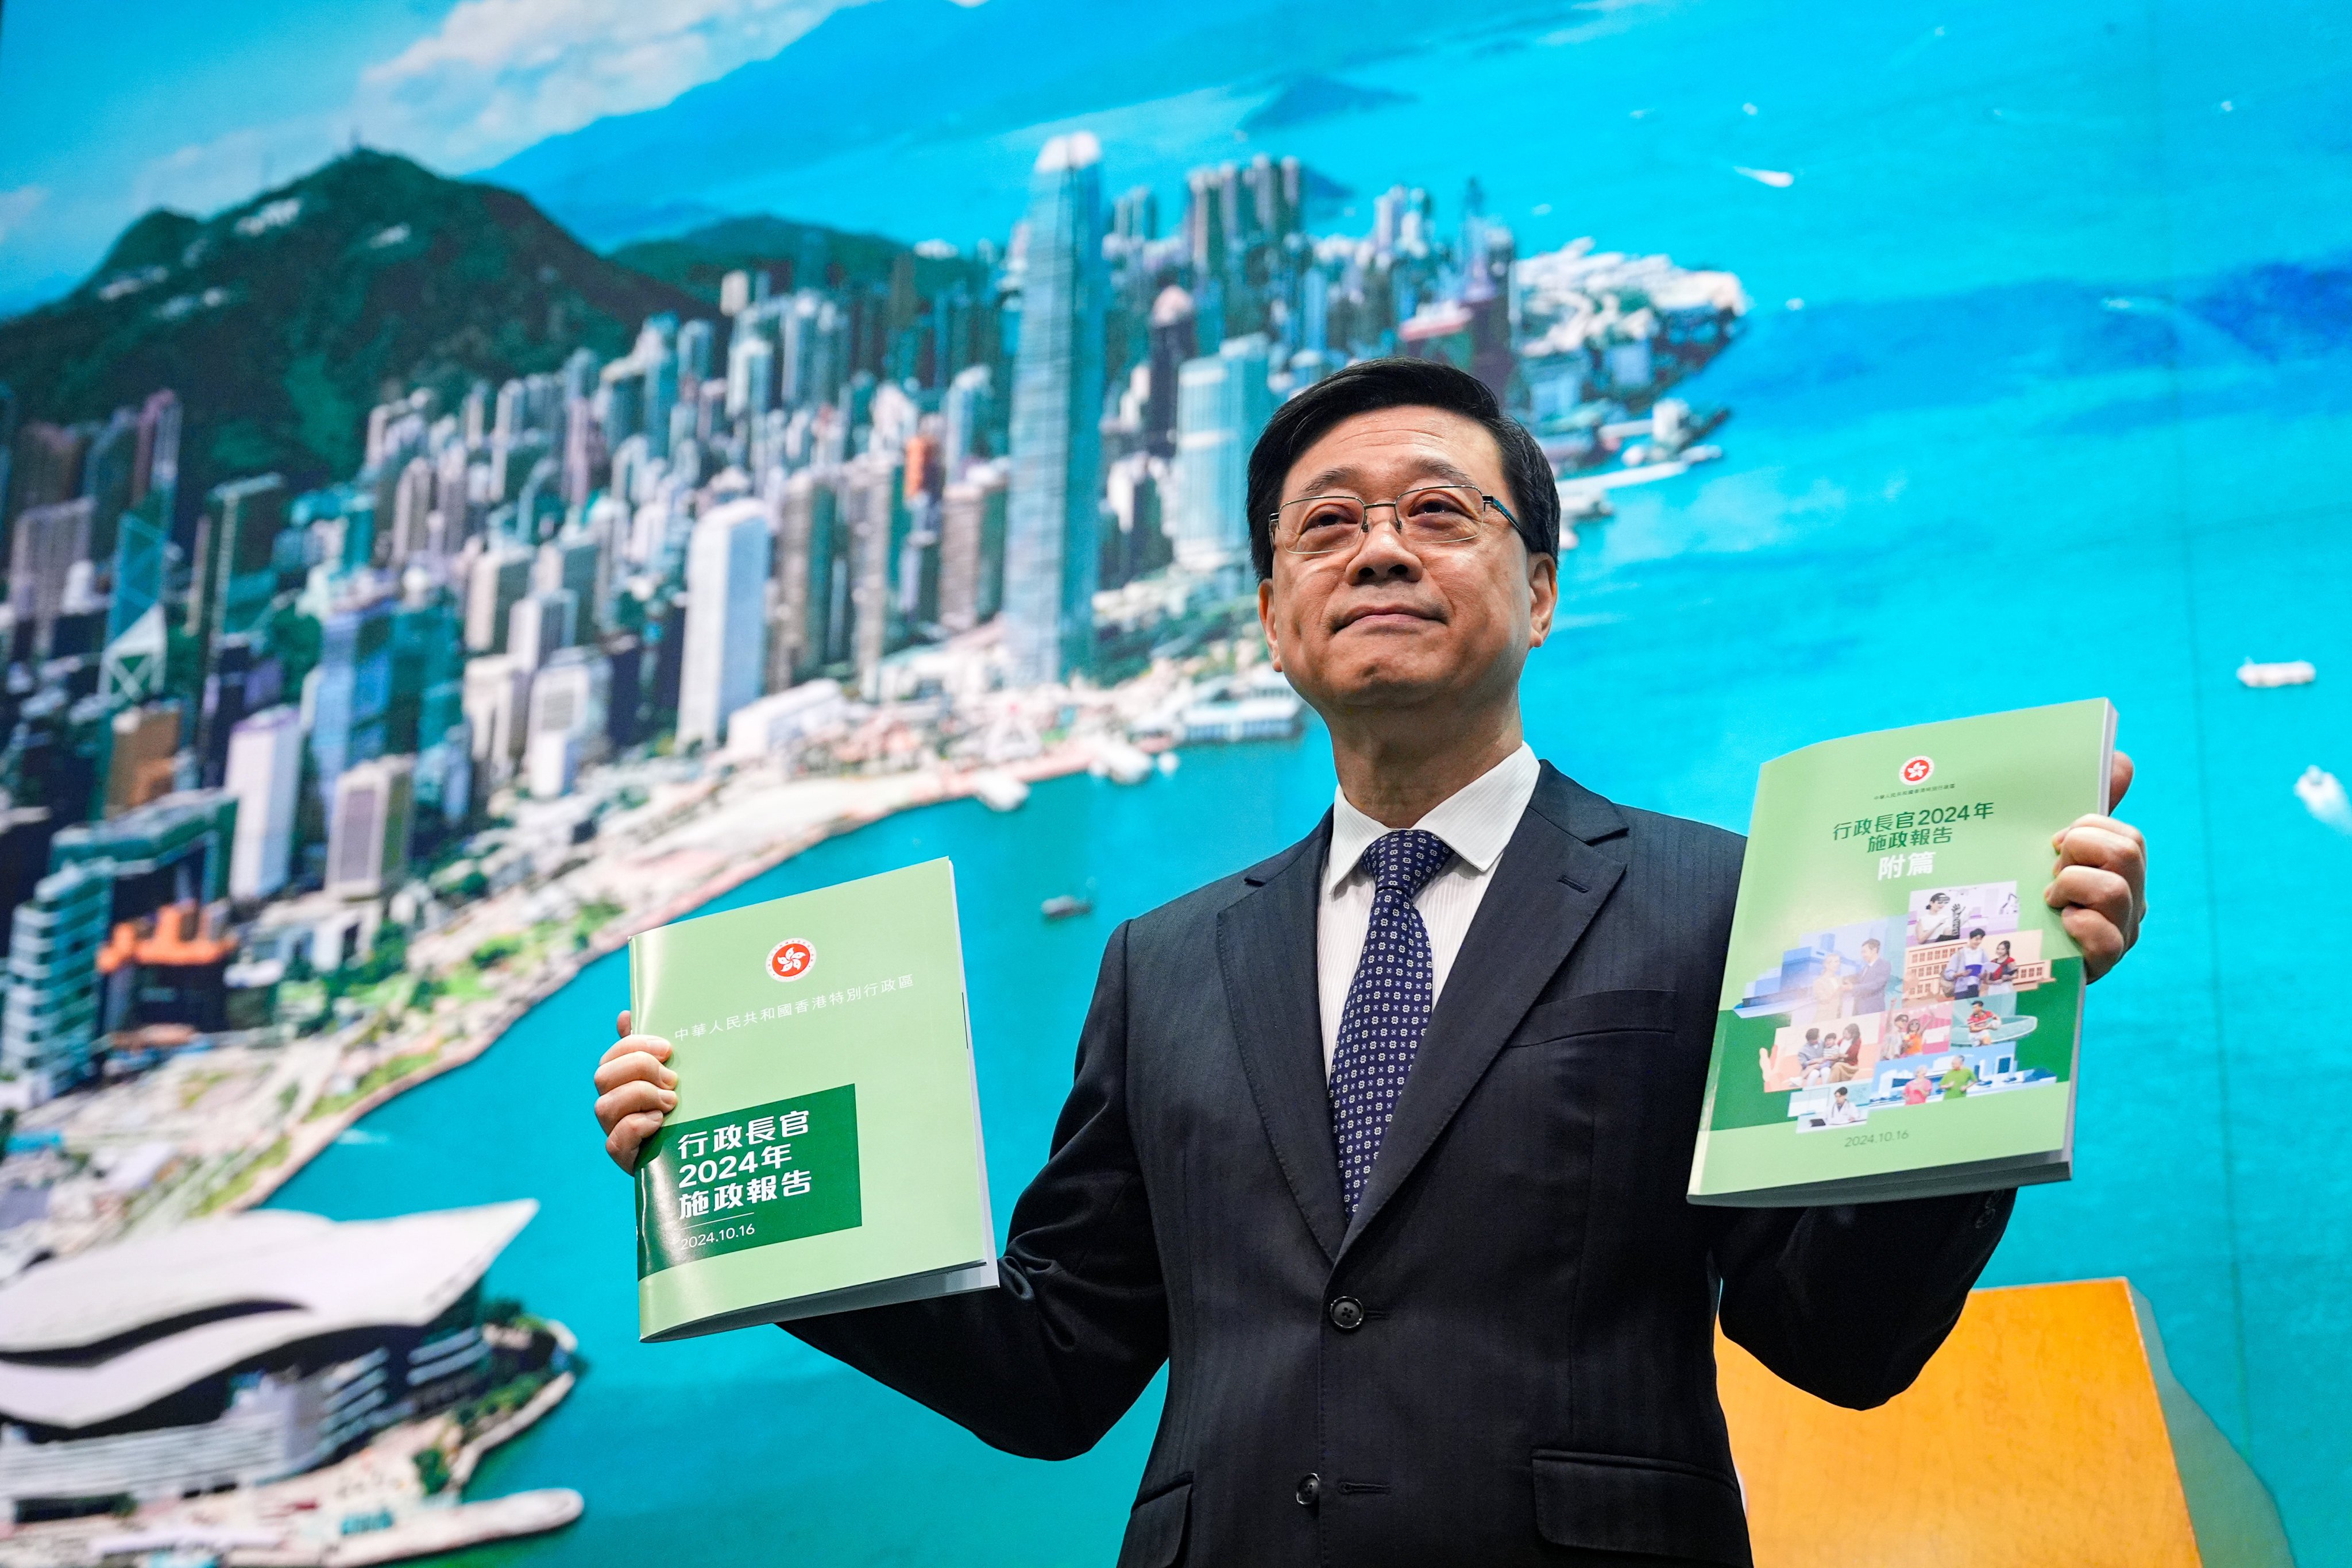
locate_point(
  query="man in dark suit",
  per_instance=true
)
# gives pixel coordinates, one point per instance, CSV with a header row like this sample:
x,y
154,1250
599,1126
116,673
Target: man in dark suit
x,y
1381,1145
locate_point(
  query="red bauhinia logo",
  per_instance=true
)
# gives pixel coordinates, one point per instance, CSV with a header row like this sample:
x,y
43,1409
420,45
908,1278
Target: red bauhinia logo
x,y
1916,770
791,959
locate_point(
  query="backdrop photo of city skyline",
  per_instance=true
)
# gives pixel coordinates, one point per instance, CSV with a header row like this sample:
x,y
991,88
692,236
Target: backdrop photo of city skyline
x,y
480,479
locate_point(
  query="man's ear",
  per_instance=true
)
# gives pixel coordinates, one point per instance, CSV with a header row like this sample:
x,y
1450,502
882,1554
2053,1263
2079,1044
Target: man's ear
x,y
1266,622
1543,596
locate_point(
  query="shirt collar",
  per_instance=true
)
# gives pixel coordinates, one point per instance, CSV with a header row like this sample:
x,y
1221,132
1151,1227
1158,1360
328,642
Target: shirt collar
x,y
1476,821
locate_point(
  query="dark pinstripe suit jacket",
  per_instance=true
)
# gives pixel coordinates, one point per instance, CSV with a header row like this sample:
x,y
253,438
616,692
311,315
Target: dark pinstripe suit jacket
x,y
1507,1356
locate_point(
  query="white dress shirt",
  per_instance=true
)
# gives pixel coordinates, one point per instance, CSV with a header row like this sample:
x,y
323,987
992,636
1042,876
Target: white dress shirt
x,y
1477,821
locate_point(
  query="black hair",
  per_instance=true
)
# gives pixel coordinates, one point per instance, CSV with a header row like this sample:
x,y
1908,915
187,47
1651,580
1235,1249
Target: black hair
x,y
1371,385
1976,931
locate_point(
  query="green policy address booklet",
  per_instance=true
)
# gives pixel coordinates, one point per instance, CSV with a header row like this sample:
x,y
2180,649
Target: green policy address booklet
x,y
1901,1012
825,1152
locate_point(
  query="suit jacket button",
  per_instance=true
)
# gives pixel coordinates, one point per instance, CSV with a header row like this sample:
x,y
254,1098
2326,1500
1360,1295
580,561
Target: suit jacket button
x,y
1347,1314
1310,1487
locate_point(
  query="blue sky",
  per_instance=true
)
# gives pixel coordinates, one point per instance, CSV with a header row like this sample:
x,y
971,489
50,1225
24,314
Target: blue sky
x,y
197,106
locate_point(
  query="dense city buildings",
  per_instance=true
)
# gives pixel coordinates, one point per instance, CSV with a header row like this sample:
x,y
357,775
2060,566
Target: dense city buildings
x,y
815,525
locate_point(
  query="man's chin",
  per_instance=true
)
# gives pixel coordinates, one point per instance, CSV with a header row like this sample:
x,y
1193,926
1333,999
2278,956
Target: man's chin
x,y
1389,689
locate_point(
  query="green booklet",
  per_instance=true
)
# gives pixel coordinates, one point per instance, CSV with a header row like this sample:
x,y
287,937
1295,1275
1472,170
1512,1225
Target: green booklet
x,y
825,1152
1901,1011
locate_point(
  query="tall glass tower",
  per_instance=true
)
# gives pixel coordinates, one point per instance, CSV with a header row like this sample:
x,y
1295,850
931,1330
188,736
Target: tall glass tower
x,y
1057,394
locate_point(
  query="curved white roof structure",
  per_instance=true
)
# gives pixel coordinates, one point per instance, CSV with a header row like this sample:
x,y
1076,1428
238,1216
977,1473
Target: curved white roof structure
x,y
245,1286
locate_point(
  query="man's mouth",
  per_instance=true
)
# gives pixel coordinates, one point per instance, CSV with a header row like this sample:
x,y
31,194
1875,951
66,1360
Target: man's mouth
x,y
1382,615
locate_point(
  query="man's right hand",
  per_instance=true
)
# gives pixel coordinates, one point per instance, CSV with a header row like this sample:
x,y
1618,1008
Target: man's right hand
x,y
634,1090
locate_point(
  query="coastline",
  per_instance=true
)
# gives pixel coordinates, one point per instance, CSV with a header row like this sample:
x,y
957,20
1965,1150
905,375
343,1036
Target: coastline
x,y
309,1140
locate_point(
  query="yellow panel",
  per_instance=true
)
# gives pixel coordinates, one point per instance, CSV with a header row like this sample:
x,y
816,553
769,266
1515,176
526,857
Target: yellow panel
x,y
2033,1439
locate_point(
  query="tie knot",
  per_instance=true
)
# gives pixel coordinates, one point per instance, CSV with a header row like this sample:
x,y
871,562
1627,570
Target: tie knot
x,y
1405,860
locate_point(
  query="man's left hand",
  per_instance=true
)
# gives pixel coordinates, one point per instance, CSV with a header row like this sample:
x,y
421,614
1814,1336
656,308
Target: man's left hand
x,y
2101,882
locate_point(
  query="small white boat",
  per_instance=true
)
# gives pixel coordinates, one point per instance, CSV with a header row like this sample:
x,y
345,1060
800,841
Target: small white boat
x,y
1000,791
1062,906
2290,672
1124,764
2322,793
1778,179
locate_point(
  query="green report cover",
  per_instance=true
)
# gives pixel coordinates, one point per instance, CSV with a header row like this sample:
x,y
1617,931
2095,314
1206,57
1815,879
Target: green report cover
x,y
1901,1011
825,1152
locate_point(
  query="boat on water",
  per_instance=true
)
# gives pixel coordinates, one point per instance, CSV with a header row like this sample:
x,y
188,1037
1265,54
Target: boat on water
x,y
1000,791
2288,672
2323,795
1062,906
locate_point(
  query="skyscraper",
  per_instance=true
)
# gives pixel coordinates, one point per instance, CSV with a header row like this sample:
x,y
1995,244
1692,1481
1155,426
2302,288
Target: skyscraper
x,y
658,361
235,571
264,774
1173,342
694,350
136,639
1222,404
496,699
46,543
46,467
726,631
50,1018
499,576
972,548
139,764
158,472
539,625
966,407
349,693
1057,394
367,837
751,372
796,628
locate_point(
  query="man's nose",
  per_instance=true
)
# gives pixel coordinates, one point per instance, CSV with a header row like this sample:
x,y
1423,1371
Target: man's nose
x,y
1383,554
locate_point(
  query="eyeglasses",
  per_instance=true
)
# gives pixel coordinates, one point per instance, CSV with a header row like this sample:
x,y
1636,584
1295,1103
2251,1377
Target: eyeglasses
x,y
1432,514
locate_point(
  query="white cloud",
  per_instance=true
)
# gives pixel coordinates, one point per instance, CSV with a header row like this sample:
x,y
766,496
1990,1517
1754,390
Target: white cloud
x,y
497,75
18,205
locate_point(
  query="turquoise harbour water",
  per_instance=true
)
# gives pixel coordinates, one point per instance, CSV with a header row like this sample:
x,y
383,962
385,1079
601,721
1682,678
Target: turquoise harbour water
x,y
2067,412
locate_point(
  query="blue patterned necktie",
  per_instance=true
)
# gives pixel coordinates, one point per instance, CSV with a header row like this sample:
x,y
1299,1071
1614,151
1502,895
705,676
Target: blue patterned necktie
x,y
1388,1004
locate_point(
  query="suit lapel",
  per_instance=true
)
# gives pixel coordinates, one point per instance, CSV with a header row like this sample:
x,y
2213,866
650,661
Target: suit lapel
x,y
1550,883
1265,950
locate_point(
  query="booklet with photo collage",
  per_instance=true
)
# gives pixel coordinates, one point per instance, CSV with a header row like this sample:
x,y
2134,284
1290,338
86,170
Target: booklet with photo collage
x,y
825,1152
1901,1011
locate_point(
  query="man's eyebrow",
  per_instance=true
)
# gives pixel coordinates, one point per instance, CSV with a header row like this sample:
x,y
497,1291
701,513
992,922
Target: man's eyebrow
x,y
1436,469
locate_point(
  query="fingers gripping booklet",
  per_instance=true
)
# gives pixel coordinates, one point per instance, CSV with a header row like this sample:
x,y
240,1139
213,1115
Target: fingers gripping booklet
x,y
825,1152
1901,1011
